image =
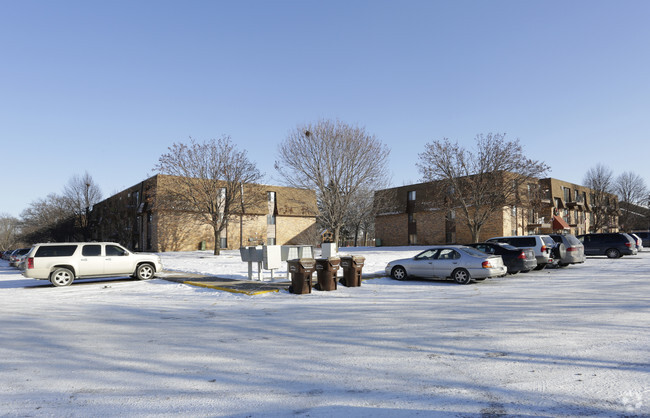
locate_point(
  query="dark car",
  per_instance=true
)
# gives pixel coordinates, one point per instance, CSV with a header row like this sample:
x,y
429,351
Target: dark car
x,y
515,259
611,244
569,249
645,237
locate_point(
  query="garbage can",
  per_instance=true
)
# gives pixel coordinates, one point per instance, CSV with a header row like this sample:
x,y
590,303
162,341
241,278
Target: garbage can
x,y
352,267
301,270
326,269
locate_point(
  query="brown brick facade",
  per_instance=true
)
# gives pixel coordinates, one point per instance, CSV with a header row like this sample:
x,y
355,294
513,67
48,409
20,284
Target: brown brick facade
x,y
409,215
134,217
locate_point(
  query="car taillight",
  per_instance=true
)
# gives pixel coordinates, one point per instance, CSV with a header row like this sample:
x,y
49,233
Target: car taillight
x,y
487,265
628,244
30,263
522,255
572,249
544,248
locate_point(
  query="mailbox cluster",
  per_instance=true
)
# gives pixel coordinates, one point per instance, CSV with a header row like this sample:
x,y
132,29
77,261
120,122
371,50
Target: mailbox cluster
x,y
302,269
301,265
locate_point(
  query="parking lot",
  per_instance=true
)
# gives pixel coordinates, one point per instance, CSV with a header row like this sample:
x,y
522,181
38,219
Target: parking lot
x,y
560,342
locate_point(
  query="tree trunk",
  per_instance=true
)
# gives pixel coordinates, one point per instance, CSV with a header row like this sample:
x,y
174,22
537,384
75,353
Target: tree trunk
x,y
217,242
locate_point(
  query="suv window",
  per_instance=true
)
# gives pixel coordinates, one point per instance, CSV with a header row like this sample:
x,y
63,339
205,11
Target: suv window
x,y
114,250
55,251
91,250
522,242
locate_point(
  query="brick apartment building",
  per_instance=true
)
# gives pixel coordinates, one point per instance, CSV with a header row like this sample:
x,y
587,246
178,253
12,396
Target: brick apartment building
x,y
413,215
137,218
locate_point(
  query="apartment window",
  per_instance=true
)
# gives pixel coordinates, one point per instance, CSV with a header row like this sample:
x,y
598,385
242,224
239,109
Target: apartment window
x,y
270,219
413,239
270,241
411,195
270,196
567,194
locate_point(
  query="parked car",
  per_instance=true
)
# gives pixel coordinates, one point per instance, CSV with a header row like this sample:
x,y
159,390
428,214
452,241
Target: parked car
x,y
17,255
457,262
611,244
6,254
62,263
515,259
637,240
645,237
568,249
541,245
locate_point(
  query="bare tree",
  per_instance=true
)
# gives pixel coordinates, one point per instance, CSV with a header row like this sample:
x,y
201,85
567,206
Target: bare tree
x,y
208,180
81,193
478,184
600,180
48,219
632,191
9,232
335,159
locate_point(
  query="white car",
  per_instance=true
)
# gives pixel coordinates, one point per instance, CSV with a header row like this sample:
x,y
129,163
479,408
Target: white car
x,y
61,263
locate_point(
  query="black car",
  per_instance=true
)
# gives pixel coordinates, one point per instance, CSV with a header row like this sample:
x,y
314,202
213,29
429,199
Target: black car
x,y
611,244
515,259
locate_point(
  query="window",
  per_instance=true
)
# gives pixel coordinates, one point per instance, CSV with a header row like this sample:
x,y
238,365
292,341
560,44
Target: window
x,y
411,195
448,254
91,250
270,196
115,251
567,194
270,219
411,218
56,251
270,241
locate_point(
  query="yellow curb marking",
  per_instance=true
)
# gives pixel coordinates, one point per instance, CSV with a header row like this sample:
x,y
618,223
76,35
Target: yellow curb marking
x,y
227,289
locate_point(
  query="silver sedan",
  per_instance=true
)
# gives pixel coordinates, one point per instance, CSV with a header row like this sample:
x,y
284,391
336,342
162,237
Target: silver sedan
x,y
457,262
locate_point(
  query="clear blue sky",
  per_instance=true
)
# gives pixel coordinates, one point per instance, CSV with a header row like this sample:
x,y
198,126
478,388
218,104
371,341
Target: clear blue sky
x,y
107,86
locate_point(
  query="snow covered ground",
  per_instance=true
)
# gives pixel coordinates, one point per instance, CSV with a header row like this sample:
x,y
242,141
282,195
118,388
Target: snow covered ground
x,y
562,342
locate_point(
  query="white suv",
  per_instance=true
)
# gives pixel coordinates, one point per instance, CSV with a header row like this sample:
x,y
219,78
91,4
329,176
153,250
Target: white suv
x,y
61,263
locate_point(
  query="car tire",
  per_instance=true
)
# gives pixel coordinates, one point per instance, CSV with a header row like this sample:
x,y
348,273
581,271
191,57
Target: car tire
x,y
62,277
144,272
525,271
613,253
398,273
461,276
513,271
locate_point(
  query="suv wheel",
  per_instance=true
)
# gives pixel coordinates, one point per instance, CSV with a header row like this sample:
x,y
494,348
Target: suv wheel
x,y
61,277
613,253
144,272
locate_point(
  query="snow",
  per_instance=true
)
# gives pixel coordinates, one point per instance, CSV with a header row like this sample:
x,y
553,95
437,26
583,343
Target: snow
x,y
562,342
